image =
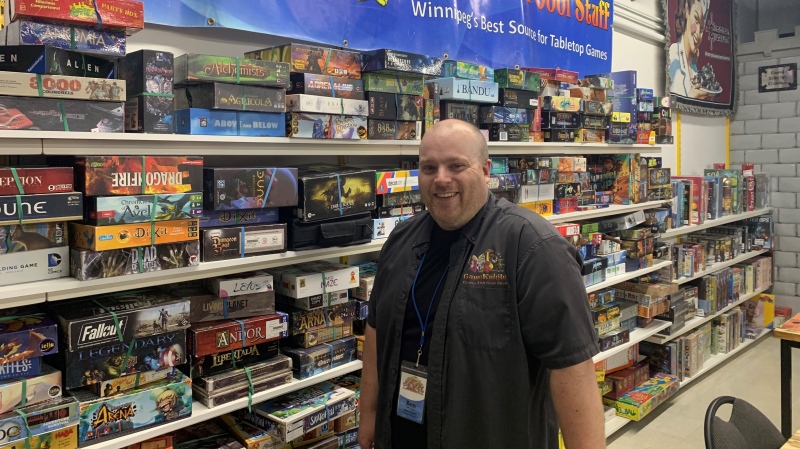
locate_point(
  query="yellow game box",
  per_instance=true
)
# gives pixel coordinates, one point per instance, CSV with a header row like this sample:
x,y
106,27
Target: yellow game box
x,y
64,438
101,238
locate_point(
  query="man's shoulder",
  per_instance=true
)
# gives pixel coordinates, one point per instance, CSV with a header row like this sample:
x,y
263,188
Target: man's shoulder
x,y
513,220
406,229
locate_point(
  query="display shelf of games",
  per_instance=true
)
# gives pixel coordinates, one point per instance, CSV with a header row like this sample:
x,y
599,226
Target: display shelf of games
x,y
613,209
720,265
713,223
698,321
638,335
716,359
610,282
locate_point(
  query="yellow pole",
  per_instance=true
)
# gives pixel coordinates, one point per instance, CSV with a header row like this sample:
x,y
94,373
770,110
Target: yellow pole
x,y
728,142
678,143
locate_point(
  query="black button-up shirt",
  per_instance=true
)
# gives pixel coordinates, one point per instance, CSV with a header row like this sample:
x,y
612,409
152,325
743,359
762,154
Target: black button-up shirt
x,y
513,307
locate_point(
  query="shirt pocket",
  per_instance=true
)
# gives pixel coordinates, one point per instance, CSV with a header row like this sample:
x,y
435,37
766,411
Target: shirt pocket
x,y
484,317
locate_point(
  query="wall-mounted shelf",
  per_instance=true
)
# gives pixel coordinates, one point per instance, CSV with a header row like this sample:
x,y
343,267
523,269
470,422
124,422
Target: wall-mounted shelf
x,y
712,223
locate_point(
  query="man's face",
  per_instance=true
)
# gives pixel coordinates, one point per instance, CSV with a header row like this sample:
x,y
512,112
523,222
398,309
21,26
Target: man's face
x,y
452,179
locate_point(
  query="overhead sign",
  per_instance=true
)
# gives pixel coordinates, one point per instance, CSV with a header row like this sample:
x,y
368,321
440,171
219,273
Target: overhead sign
x,y
569,34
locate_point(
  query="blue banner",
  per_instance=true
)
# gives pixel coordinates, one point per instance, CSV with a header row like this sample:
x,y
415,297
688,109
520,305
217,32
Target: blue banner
x,y
569,34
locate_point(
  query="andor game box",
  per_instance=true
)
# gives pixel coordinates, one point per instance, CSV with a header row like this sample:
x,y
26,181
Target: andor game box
x,y
225,335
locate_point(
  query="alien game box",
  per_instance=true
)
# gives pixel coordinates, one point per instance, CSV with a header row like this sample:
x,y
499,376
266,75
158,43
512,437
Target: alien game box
x,y
231,97
104,418
236,377
331,191
30,237
44,59
313,59
123,175
114,359
226,335
243,389
401,63
80,39
249,188
86,265
217,218
242,241
193,68
113,210
89,322
224,361
327,86
101,238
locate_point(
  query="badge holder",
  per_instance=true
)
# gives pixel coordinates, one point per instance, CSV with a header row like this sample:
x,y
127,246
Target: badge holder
x,y
413,386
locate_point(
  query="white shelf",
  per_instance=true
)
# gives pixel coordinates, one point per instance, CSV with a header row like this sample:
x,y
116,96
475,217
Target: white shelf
x,y
201,414
636,336
699,321
712,223
614,209
720,265
610,282
616,423
94,144
715,360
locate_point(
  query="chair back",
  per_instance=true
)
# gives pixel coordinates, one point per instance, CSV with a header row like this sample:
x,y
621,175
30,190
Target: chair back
x,y
748,428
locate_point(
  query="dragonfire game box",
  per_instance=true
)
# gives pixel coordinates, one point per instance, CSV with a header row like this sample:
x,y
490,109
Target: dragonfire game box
x,y
331,191
123,175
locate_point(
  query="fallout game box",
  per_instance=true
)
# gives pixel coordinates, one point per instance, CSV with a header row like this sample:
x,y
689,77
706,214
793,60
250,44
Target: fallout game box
x,y
29,266
331,191
123,175
327,86
302,321
217,218
148,353
150,405
113,210
88,322
225,361
101,238
36,180
249,188
30,237
25,333
58,86
393,130
147,71
226,335
111,387
44,59
393,84
65,37
230,96
88,265
235,377
402,63
242,241
193,68
242,390
206,306
41,208
307,362
150,114
32,390
313,59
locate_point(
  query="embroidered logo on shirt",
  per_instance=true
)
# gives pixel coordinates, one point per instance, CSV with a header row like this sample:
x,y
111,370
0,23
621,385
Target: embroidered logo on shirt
x,y
486,269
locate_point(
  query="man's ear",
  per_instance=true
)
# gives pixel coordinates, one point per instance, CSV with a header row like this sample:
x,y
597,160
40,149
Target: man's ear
x,y
487,168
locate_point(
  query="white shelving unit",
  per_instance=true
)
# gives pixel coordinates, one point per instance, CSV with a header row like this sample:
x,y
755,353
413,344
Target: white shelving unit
x,y
720,265
636,336
712,223
697,321
610,282
614,209
615,424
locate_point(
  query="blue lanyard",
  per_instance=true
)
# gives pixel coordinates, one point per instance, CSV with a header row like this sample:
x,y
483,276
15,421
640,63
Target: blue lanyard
x,y
424,325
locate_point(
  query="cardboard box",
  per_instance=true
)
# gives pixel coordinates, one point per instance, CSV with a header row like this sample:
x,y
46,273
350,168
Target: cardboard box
x,y
123,175
499,114
50,114
387,106
230,123
393,84
517,79
396,62
559,135
88,265
121,15
30,331
192,68
467,112
318,60
314,302
513,98
36,180
325,105
207,306
40,419
225,361
225,335
81,39
597,108
312,126
302,321
101,238
45,59
643,399
307,362
112,210
394,130
113,387
467,70
242,241
249,436
57,86
330,191
230,97
588,93
62,438
154,404
209,385
150,114
249,188
326,86
29,237
324,335
37,389
466,90
147,71
314,278
240,284
29,266
261,124
394,181
554,120
41,208
211,218
508,133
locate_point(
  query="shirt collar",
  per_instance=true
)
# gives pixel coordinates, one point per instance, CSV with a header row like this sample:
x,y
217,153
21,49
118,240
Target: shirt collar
x,y
470,230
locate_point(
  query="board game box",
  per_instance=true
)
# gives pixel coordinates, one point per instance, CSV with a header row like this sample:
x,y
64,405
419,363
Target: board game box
x,y
218,122
58,86
302,321
112,387
37,265
517,79
467,70
467,112
326,86
250,436
47,207
307,362
26,333
401,63
66,37
225,335
331,191
31,237
224,361
217,218
506,132
87,265
240,284
393,84
323,335
104,418
243,390
88,322
310,126
193,68
467,90
249,188
206,306
314,278
121,15
204,435
231,97
52,114
349,127
36,180
150,114
235,377
393,130
315,301
123,175
113,210
36,389
45,59
514,98
316,104
499,114
242,241
147,71
100,238
313,59
20,368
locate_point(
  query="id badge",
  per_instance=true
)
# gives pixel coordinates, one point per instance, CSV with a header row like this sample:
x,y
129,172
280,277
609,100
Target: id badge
x,y
413,386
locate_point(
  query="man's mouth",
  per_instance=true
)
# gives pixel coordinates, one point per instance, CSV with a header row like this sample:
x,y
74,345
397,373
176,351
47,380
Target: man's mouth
x,y
445,195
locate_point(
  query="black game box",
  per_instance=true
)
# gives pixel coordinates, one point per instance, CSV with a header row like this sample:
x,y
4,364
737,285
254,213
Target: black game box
x,y
385,106
231,96
553,120
385,60
50,114
208,306
506,132
467,112
342,231
150,114
393,130
147,71
249,188
86,265
332,191
224,361
44,207
242,241
44,59
513,98
326,86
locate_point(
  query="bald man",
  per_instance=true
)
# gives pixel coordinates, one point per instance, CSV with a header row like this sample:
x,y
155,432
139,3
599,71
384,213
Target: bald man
x,y
479,332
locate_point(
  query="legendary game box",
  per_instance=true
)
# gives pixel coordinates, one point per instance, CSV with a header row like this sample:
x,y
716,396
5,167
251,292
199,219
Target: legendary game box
x,y
225,335
329,191
316,104
58,86
44,59
225,361
41,208
193,68
123,175
154,404
242,241
92,320
249,188
392,61
156,350
30,237
206,306
80,39
116,386
304,58
302,321
216,218
230,96
113,210
36,180
393,84
393,130
87,265
25,333
101,238
231,379
307,362
326,86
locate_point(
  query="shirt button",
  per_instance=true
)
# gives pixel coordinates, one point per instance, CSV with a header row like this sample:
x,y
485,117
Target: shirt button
x,y
415,266
397,333
394,372
402,296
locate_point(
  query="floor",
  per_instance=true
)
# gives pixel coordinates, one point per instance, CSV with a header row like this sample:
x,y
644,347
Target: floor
x,y
753,375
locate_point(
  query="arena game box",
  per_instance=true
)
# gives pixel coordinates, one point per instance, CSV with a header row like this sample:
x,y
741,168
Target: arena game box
x,y
112,210
194,68
123,175
249,188
302,321
87,265
225,335
313,59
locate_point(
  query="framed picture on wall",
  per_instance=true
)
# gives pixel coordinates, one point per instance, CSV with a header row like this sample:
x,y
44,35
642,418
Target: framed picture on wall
x,y
777,77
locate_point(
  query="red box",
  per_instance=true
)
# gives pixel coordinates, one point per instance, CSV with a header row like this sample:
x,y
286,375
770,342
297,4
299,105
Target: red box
x,y
622,383
568,229
123,15
127,15
641,372
37,180
214,337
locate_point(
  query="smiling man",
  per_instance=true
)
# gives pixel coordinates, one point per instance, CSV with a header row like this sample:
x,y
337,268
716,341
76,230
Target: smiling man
x,y
479,333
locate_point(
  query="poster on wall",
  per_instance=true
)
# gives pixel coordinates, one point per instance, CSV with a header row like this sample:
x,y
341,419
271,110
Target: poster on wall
x,y
570,34
701,59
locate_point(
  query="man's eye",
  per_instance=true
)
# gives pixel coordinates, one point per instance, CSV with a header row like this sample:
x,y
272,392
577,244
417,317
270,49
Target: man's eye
x,y
457,166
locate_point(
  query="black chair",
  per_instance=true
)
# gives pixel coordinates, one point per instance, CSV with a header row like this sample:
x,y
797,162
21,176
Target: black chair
x,y
748,428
